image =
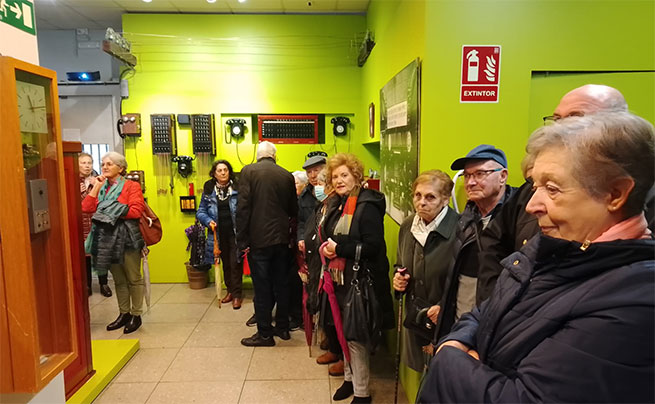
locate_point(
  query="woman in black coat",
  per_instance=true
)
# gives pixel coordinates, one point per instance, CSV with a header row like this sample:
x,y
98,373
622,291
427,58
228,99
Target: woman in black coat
x,y
355,217
572,316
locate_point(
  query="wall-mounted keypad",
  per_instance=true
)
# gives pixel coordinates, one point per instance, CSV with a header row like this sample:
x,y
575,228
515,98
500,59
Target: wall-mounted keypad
x,y
163,134
203,133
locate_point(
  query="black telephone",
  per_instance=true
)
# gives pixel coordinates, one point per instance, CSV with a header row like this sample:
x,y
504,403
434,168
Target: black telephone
x,y
340,125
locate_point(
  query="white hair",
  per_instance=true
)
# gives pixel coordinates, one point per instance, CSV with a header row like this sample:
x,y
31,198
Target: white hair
x,y
266,149
301,176
116,158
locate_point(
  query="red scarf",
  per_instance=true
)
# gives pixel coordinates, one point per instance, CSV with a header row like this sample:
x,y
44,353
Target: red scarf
x,y
338,264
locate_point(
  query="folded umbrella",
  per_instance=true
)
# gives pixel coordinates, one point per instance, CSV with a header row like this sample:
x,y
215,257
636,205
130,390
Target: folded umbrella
x,y
303,272
328,288
218,275
146,275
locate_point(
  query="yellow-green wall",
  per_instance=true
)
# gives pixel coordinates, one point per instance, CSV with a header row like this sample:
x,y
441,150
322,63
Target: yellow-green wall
x,y
236,65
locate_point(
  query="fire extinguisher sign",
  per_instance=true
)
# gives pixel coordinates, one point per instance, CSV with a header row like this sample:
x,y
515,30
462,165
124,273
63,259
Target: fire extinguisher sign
x,y
480,73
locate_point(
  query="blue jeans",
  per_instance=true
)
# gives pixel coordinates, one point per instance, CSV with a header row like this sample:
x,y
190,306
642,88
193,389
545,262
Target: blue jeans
x,y
269,269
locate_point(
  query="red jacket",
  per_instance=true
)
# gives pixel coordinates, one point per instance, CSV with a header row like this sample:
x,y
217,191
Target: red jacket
x,y
131,196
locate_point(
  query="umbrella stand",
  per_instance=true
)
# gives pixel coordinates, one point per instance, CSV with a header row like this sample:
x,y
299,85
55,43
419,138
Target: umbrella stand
x,y
217,269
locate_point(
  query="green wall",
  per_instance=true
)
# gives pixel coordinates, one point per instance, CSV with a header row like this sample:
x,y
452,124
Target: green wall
x,y
235,65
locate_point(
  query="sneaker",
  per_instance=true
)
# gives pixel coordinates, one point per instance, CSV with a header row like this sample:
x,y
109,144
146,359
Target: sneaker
x,y
258,340
336,369
295,325
252,321
343,392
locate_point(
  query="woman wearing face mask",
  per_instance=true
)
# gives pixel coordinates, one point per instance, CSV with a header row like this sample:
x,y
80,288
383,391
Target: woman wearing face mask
x,y
87,180
425,243
217,209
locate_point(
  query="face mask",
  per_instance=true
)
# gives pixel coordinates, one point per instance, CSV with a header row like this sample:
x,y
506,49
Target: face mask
x,y
319,192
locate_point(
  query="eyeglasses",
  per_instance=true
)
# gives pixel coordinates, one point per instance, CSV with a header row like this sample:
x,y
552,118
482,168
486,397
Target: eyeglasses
x,y
480,174
550,119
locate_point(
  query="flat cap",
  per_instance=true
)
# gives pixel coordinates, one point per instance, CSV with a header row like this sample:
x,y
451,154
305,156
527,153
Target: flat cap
x,y
482,152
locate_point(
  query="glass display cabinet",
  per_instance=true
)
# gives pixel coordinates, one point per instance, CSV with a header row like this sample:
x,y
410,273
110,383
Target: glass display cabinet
x,y
37,329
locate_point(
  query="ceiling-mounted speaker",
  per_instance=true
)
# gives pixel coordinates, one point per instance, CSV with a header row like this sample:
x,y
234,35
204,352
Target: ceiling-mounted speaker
x,y
365,48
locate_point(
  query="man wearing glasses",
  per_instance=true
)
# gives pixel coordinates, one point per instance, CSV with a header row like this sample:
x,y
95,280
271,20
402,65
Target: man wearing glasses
x,y
485,182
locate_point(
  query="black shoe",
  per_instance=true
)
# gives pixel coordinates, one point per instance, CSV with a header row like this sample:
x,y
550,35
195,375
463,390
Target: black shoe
x,y
361,400
283,334
343,392
252,321
105,290
295,325
258,340
132,325
122,319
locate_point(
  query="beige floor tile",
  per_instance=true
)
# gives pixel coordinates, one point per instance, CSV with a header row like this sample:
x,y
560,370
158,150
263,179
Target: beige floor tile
x,y
218,335
383,364
219,392
228,315
99,331
382,391
104,312
278,363
209,364
181,293
97,298
285,391
162,335
147,365
126,393
158,290
176,313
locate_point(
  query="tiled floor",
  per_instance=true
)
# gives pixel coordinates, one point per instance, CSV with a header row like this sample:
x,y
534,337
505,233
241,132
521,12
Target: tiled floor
x,y
191,353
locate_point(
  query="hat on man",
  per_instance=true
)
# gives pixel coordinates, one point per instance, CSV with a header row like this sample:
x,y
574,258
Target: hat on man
x,y
482,152
314,158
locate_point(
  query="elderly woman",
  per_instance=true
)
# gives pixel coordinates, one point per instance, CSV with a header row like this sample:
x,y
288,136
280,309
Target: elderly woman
x,y
354,218
425,243
87,179
115,241
572,317
300,178
217,209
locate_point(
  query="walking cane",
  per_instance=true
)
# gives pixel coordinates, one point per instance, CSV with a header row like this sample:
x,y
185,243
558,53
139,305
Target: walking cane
x,y
399,296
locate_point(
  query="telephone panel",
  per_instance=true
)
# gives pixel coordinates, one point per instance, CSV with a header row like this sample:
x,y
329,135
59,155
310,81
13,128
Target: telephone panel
x,y
293,129
163,134
203,133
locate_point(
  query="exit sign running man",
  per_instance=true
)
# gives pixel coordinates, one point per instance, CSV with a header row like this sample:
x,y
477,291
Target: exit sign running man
x,y
480,73
19,14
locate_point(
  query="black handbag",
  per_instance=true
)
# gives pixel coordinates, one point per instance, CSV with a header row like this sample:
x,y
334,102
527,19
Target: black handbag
x,y
362,316
416,317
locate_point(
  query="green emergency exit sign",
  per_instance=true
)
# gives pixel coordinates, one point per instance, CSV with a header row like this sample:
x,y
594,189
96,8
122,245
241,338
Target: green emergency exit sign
x,y
19,14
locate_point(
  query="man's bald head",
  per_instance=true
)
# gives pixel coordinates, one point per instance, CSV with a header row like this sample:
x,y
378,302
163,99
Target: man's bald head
x,y
589,99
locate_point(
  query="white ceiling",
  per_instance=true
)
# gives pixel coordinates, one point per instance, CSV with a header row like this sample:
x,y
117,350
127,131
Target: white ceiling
x,y
100,14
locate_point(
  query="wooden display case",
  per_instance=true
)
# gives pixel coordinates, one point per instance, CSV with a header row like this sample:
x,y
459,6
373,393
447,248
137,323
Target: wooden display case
x,y
37,329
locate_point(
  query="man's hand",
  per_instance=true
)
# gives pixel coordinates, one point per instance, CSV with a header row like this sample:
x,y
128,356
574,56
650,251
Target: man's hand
x,y
400,281
433,313
456,344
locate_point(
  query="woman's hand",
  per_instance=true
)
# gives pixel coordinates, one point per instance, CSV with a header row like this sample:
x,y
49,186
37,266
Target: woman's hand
x,y
400,282
433,313
330,250
97,185
456,344
212,225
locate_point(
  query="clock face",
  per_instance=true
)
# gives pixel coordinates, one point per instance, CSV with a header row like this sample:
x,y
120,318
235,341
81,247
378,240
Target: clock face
x,y
32,107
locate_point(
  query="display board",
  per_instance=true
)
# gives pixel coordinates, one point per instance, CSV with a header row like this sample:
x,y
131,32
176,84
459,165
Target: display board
x,y
399,139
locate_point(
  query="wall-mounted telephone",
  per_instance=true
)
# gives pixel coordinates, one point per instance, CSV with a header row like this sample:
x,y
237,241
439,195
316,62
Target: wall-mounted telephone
x,y
138,176
237,127
37,205
340,125
129,125
184,166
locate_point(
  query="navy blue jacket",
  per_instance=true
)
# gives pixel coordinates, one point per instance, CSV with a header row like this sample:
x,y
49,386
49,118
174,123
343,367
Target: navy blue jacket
x,y
562,325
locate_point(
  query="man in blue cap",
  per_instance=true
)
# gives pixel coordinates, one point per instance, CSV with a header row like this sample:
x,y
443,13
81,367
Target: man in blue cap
x,y
485,181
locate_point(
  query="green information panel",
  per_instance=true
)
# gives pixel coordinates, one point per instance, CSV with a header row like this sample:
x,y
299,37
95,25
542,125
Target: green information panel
x,y
19,14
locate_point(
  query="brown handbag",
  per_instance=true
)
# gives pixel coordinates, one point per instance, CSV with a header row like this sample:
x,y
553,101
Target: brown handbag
x,y
150,226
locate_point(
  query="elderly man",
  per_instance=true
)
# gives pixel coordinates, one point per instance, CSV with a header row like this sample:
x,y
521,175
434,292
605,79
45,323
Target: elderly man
x,y
265,206
307,200
485,177
514,226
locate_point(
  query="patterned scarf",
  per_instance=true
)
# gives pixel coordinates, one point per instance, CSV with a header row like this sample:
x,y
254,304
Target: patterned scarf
x,y
223,191
338,265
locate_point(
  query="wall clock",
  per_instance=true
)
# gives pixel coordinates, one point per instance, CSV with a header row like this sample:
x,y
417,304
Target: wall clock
x,y
32,107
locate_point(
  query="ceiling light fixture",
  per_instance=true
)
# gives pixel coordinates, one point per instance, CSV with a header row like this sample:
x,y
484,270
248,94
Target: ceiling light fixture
x,y
147,1
242,1
211,1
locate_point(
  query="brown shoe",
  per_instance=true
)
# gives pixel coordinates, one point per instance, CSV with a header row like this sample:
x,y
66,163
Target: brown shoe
x,y
326,358
227,298
336,369
236,303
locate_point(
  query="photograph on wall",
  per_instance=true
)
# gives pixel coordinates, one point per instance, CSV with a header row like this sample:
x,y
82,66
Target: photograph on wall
x,y
399,139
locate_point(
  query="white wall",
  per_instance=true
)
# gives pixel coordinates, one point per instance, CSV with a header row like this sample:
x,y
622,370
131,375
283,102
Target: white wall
x,y
18,44
53,393
60,51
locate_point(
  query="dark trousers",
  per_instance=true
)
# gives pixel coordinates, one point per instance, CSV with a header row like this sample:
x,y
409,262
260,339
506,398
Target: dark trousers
x,y
269,268
232,272
102,279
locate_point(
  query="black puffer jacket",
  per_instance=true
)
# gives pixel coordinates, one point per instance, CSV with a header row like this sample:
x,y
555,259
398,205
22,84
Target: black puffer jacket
x,y
367,228
562,325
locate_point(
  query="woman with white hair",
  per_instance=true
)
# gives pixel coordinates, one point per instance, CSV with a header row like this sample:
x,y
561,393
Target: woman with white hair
x,y
115,241
572,316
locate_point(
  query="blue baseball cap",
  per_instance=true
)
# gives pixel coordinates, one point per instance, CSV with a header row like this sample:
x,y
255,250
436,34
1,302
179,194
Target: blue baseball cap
x,y
482,152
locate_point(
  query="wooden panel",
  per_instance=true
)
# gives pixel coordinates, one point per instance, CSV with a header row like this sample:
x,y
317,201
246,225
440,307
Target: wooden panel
x,y
6,375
